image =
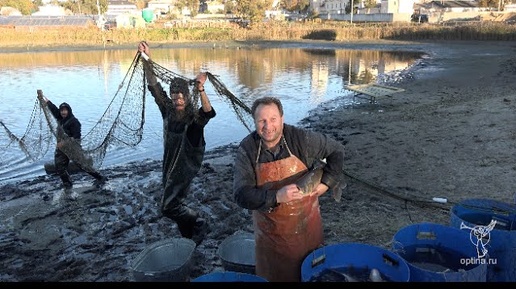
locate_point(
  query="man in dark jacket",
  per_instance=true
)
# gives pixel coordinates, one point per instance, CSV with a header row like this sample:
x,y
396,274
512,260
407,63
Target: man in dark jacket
x,y
69,144
287,222
184,146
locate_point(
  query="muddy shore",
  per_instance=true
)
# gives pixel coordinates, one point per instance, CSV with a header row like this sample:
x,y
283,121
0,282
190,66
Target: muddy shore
x,y
450,134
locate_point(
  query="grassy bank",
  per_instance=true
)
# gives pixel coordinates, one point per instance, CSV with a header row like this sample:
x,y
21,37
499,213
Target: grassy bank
x,y
333,31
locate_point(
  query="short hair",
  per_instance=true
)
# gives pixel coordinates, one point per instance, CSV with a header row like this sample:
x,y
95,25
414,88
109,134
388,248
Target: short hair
x,y
267,100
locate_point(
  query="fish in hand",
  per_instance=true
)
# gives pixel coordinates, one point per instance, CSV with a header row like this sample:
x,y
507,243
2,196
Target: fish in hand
x,y
309,181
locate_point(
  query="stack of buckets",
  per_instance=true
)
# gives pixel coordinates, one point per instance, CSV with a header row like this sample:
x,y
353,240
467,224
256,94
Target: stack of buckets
x,y
478,246
354,257
491,226
437,253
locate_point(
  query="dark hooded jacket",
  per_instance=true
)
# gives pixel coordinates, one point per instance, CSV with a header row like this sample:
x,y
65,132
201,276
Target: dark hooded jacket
x,y
70,125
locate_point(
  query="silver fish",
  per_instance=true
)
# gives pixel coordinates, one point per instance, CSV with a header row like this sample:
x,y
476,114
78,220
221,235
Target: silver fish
x,y
346,277
375,275
309,181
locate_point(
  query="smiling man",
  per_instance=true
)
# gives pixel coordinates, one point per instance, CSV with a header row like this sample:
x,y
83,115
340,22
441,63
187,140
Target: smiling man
x,y
287,222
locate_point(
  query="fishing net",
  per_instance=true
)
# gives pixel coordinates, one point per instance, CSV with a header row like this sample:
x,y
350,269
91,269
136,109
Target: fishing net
x,y
241,110
122,122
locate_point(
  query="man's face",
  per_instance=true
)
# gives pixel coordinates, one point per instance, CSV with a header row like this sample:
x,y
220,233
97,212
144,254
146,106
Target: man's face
x,y
179,101
64,112
269,124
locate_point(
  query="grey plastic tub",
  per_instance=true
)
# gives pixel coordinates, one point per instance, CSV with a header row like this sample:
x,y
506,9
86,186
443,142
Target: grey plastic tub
x,y
237,253
164,261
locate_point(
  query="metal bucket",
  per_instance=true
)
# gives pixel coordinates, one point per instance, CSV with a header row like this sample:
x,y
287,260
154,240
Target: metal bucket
x,y
228,276
492,228
164,261
348,262
237,253
437,253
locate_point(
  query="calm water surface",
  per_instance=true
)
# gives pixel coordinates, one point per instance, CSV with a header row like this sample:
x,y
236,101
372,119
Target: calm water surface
x,y
88,81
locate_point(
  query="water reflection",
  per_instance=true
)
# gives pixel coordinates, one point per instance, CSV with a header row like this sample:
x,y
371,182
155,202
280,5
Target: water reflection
x,y
88,80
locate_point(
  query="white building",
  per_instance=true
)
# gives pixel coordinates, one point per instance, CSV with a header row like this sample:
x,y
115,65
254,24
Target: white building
x,y
335,6
397,6
161,6
50,10
118,7
44,2
316,5
510,7
215,7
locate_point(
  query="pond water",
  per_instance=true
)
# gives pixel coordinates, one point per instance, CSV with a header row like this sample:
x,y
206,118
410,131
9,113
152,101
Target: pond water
x,y
88,80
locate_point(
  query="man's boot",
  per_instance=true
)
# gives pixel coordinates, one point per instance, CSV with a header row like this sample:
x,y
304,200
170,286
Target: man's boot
x,y
185,224
200,230
65,178
99,180
189,224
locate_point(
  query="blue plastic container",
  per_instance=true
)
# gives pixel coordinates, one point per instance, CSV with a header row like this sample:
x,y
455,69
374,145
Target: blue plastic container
x,y
476,217
437,253
229,276
354,257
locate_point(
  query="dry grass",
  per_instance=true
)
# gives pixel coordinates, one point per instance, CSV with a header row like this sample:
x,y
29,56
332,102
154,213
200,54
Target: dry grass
x,y
329,30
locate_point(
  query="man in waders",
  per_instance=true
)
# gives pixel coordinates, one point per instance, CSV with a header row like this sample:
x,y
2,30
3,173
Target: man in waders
x,y
287,222
68,145
184,146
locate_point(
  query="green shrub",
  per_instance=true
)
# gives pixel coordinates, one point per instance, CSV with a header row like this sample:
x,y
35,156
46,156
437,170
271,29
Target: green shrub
x,y
325,34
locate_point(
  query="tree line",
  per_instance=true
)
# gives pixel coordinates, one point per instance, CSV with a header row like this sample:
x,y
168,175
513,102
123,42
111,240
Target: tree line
x,y
251,10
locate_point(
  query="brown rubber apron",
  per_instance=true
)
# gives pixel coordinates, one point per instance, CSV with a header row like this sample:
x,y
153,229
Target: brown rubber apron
x,y
287,234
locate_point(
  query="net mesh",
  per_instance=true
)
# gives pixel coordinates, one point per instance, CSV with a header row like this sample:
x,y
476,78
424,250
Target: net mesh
x,y
122,122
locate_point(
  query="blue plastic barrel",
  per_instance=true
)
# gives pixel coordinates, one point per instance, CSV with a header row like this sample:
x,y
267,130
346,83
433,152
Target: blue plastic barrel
x,y
438,253
495,223
229,276
352,258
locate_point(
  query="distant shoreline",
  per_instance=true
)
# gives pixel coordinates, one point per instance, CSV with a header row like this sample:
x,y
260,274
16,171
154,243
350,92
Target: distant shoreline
x,y
211,44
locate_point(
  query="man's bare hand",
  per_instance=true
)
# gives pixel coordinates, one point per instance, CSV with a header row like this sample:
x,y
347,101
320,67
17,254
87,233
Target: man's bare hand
x,y
201,79
288,193
319,190
41,96
144,47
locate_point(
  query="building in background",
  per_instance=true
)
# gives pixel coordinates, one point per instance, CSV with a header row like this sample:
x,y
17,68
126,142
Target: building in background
x,y
397,6
9,11
214,7
118,7
51,10
161,7
315,6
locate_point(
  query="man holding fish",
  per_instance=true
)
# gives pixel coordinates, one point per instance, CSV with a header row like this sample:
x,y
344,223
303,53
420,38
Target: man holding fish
x,y
279,176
